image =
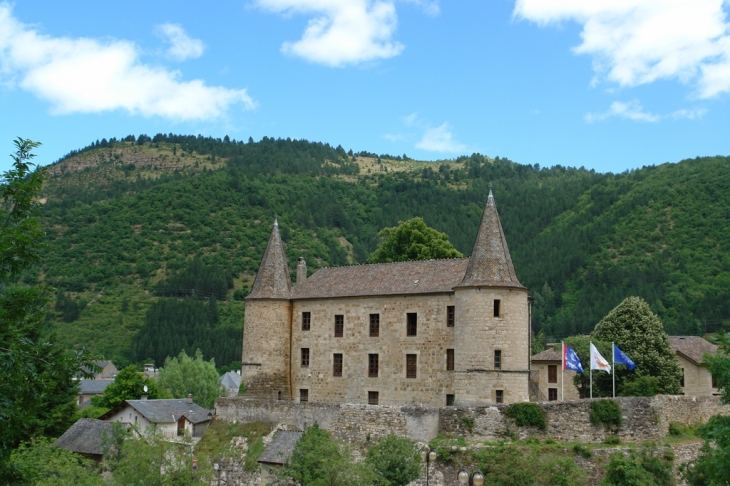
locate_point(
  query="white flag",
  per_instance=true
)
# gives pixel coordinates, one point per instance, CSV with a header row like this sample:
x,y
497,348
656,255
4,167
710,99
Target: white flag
x,y
598,362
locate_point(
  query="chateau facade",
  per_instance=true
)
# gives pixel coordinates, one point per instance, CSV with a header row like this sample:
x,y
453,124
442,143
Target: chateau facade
x,y
433,332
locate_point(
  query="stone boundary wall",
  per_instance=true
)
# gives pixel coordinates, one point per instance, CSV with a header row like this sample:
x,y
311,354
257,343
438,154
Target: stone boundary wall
x,y
644,418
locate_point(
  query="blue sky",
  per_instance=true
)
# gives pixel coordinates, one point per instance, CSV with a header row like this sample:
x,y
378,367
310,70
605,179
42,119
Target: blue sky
x,y
607,84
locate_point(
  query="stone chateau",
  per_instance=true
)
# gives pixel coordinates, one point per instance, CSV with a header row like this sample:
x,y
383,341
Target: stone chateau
x,y
432,333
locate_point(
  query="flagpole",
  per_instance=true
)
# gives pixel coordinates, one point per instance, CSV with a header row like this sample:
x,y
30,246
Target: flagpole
x,y
562,370
590,353
613,368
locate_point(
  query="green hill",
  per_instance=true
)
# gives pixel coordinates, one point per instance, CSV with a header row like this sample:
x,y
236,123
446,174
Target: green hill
x,y
135,226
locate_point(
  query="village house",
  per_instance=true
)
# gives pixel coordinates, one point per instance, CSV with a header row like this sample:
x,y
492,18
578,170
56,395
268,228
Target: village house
x,y
696,378
547,375
433,332
108,370
86,437
171,417
91,388
231,382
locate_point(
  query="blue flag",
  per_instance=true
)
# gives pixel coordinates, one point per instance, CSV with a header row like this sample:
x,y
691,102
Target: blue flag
x,y
571,360
620,358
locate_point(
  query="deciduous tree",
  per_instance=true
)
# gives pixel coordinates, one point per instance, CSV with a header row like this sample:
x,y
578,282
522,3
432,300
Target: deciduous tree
x,y
186,375
412,240
128,385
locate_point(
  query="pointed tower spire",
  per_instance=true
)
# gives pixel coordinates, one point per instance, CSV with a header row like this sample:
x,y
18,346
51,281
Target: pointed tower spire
x,y
272,280
490,264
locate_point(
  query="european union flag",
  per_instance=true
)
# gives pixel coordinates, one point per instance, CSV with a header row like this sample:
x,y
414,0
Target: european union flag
x,y
571,360
620,358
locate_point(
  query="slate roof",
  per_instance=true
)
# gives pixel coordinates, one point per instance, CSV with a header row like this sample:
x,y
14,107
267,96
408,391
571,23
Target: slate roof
x,y
281,447
548,355
93,387
165,410
85,436
100,364
397,278
692,347
272,280
490,263
231,380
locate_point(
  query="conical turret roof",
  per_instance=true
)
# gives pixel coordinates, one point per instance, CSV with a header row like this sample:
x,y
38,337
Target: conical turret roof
x,y
272,280
490,264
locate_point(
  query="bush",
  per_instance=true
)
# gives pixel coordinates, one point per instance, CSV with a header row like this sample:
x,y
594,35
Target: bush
x,y
606,412
642,386
612,440
395,460
582,451
527,414
644,468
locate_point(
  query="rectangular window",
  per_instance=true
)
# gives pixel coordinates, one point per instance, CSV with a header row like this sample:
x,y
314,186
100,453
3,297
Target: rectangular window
x,y
497,309
499,396
303,395
552,394
450,316
339,326
306,321
411,365
450,360
373,398
412,327
373,365
497,359
714,382
305,357
374,325
337,365
449,400
681,380
552,373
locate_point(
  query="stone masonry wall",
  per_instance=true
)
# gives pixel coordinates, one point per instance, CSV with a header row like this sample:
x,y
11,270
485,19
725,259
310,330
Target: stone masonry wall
x,y
266,344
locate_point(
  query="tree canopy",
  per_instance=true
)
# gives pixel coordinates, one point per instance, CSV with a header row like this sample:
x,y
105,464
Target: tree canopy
x,y
412,240
639,333
185,375
128,385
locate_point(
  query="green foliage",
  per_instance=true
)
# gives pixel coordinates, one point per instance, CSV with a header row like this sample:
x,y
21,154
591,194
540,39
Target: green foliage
x,y
582,451
468,423
527,415
508,466
197,280
634,328
395,460
640,386
191,374
91,411
643,468
606,412
217,442
612,440
37,391
127,385
412,240
318,460
40,463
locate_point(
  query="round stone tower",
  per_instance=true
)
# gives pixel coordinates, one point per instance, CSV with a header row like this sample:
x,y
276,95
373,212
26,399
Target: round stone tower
x,y
267,325
492,332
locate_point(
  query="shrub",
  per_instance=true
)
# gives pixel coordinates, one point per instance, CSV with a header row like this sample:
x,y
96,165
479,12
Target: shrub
x,y
612,440
395,460
527,414
644,468
606,412
642,386
468,423
582,451
675,428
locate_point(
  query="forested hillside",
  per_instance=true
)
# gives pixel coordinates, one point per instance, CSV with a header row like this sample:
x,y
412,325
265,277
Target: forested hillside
x,y
146,229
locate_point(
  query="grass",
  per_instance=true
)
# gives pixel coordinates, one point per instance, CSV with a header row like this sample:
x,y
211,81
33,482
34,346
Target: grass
x,y
216,442
682,433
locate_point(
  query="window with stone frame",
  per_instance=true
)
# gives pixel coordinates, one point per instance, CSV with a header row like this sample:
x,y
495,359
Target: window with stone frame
x,y
373,365
450,315
373,397
497,359
450,360
374,325
411,366
305,357
303,395
306,321
552,373
714,381
412,324
499,396
552,394
681,380
337,364
339,326
450,400
497,308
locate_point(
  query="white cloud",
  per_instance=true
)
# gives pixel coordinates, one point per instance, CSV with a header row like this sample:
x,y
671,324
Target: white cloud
x,y
410,120
634,111
394,137
182,46
343,31
82,75
636,42
439,139
429,7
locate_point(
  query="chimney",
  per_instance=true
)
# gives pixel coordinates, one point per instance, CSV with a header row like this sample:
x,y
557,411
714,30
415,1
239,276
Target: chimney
x,y
301,271
144,397
190,398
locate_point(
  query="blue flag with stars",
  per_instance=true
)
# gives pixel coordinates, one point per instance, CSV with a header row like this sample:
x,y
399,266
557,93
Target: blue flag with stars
x,y
620,358
571,360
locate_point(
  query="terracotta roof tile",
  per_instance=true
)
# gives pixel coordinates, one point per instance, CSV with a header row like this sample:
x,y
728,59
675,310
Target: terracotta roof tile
x,y
693,347
397,278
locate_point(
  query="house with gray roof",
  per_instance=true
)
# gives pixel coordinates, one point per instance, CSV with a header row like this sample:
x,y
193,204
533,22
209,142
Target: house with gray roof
x,y
91,388
171,417
231,382
430,332
86,437
107,372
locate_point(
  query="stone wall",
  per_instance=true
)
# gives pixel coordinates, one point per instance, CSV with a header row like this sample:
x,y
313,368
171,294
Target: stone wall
x,y
266,344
